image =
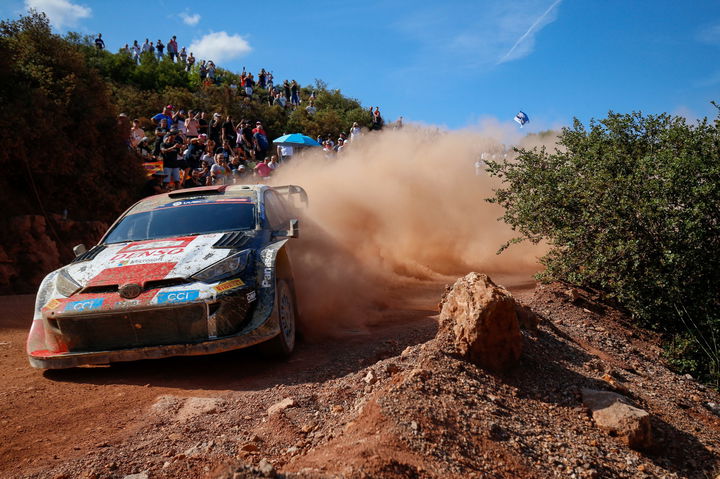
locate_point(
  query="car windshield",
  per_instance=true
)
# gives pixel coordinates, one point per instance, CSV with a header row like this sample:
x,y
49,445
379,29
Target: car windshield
x,y
183,218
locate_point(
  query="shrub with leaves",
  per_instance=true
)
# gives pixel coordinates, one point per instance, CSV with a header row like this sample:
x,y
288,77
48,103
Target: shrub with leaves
x,y
629,205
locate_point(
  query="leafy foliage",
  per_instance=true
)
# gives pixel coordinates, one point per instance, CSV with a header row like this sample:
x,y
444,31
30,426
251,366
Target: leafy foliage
x,y
630,205
65,149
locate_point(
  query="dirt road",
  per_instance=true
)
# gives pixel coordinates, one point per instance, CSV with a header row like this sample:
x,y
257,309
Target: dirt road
x,y
50,417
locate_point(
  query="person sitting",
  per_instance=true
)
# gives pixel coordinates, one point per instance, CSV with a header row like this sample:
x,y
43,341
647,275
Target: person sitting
x,y
195,179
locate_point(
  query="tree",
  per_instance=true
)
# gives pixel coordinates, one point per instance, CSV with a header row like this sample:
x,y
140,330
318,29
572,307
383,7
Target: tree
x,y
630,206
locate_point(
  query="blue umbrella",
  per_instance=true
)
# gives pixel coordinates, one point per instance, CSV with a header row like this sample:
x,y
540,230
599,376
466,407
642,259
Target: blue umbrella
x,y
297,139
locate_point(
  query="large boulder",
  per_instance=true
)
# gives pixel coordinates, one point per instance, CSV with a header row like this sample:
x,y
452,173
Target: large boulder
x,y
614,413
483,323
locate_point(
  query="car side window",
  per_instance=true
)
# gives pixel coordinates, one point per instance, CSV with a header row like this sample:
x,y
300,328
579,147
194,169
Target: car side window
x,y
275,211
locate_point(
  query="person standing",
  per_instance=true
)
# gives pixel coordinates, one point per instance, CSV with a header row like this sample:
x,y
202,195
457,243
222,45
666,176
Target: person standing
x,y
99,42
167,114
183,56
294,93
260,142
355,132
190,62
136,52
137,134
169,154
202,124
286,90
215,129
172,48
285,152
192,124
160,47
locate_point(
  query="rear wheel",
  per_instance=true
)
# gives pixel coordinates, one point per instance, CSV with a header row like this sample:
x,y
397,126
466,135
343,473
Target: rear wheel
x,y
283,344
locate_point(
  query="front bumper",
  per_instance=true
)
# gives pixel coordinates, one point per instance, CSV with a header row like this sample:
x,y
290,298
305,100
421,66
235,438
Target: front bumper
x,y
186,329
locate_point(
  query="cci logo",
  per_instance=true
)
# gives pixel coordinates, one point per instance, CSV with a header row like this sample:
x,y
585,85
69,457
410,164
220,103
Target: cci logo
x,y
86,305
177,296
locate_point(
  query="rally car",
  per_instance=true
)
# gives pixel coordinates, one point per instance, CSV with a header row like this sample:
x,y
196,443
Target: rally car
x,y
195,271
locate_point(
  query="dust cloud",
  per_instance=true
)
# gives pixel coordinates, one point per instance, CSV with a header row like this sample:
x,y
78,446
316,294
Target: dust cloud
x,y
396,209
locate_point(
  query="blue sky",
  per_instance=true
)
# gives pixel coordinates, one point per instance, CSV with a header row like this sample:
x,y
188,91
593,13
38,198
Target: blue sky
x,y
452,63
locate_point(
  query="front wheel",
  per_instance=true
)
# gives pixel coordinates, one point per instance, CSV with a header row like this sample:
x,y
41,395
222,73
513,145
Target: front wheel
x,y
283,344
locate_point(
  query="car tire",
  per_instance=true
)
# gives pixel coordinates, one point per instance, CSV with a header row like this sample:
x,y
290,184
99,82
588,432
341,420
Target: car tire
x,y
283,344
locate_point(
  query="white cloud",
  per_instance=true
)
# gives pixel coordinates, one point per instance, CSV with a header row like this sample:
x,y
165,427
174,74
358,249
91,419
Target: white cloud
x,y
219,47
62,13
191,20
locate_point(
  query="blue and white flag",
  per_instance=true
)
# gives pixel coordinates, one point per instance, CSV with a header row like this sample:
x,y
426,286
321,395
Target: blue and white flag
x,y
522,118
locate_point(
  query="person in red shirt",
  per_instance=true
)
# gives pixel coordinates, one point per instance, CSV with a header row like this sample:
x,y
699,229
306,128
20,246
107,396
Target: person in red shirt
x,y
262,169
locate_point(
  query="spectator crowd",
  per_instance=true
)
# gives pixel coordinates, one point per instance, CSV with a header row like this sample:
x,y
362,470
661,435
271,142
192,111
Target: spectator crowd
x,y
191,148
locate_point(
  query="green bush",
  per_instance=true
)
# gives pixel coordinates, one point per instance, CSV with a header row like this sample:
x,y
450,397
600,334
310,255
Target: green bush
x,y
631,206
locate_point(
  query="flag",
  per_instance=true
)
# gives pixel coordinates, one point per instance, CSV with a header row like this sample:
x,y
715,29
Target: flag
x,y
522,118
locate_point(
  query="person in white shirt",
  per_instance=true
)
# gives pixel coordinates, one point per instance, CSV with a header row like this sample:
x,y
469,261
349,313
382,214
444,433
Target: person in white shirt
x,y
285,152
355,131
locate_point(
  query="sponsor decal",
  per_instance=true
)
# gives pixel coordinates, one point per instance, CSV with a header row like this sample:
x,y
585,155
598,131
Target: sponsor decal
x,y
267,277
85,305
233,283
149,255
156,245
152,249
127,304
138,273
268,257
178,296
251,296
52,304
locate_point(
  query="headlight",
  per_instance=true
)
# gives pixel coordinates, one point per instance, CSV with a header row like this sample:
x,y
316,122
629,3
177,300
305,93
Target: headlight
x,y
229,266
65,285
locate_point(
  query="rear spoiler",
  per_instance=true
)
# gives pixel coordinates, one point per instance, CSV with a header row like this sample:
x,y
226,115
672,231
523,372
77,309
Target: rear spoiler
x,y
293,192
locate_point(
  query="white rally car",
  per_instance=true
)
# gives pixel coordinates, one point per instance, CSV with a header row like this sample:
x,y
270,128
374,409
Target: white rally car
x,y
195,271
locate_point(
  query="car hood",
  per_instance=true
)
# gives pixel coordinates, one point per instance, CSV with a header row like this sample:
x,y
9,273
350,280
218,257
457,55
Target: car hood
x,y
141,262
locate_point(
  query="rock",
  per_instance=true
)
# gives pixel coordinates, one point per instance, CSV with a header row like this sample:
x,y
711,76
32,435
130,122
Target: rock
x,y
249,447
336,409
139,475
194,407
527,318
370,378
713,408
266,468
392,368
481,317
614,413
573,294
281,406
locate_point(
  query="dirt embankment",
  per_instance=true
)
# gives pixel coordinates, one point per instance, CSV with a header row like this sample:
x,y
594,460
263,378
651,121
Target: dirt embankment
x,y
390,401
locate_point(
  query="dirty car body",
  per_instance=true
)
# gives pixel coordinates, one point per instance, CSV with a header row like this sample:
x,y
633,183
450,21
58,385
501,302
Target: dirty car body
x,y
195,271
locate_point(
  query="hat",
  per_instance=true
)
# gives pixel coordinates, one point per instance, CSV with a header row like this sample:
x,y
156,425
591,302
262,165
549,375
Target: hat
x,y
173,131
203,136
182,111
216,114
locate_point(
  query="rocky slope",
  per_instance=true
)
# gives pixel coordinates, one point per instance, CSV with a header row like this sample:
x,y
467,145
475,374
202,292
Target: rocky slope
x,y
412,406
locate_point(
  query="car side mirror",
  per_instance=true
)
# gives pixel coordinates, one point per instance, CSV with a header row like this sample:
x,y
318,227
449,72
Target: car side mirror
x,y
294,230
79,249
